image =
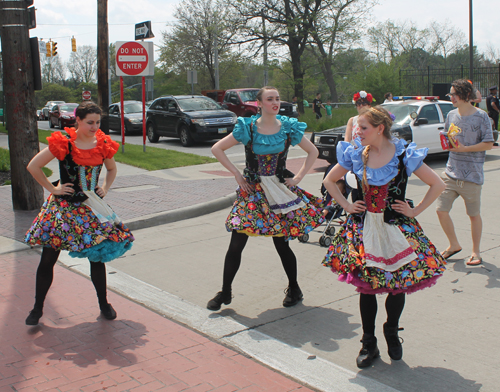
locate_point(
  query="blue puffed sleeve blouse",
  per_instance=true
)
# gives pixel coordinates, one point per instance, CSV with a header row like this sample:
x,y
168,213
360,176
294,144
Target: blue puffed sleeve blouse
x,y
350,158
269,144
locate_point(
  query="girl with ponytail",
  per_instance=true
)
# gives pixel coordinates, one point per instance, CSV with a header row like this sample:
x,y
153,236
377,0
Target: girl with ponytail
x,y
381,248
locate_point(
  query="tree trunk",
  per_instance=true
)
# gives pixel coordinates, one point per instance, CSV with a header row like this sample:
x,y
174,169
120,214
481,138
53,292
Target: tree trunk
x,y
298,75
103,63
330,81
19,92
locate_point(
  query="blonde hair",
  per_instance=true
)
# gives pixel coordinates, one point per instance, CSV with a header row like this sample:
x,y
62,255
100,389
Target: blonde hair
x,y
376,116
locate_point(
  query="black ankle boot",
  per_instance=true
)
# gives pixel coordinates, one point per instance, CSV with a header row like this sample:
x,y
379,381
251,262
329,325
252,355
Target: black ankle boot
x,y
34,316
368,352
394,347
221,298
108,312
293,296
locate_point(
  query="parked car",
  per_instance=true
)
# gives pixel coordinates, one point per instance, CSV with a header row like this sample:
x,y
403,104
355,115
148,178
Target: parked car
x,y
62,115
418,119
48,106
132,120
38,114
190,118
243,102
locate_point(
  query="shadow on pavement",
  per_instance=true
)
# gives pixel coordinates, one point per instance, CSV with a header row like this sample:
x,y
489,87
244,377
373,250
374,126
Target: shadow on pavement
x,y
406,379
88,343
307,324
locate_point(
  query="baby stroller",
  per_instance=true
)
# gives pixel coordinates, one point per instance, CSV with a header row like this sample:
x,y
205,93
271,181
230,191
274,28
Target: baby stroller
x,y
334,211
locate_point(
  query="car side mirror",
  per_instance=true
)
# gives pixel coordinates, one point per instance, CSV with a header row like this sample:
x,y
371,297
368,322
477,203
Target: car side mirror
x,y
421,121
234,101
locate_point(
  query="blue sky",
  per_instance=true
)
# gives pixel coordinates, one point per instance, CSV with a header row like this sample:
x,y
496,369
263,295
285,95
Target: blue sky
x,y
60,20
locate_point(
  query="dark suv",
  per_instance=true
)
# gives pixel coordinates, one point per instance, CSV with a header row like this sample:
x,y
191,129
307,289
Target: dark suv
x,y
190,118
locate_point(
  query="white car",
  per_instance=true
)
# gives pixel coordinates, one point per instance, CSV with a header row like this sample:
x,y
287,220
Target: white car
x,y
418,119
424,115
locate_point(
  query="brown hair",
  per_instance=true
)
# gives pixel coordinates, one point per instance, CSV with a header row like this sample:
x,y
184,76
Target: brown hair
x,y
464,90
87,107
261,92
376,116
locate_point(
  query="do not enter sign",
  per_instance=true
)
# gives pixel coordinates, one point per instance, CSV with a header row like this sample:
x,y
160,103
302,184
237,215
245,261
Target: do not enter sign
x,y
134,59
86,95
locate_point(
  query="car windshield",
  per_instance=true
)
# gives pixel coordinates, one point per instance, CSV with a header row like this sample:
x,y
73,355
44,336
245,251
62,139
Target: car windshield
x,y
402,112
132,108
249,95
198,103
68,107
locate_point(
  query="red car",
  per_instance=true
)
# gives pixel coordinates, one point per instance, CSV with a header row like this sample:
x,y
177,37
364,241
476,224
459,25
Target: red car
x,y
62,115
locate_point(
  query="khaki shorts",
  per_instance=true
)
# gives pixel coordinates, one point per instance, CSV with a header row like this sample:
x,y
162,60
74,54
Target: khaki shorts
x,y
469,191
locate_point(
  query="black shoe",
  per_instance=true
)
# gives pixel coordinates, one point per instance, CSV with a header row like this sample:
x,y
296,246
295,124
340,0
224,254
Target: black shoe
x,y
368,352
394,347
293,296
33,317
221,298
108,312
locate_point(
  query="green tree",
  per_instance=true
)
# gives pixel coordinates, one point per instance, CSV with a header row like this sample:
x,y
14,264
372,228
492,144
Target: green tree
x,y
202,26
53,92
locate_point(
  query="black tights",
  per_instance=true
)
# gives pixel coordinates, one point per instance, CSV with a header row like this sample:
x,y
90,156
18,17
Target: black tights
x,y
394,305
233,259
45,275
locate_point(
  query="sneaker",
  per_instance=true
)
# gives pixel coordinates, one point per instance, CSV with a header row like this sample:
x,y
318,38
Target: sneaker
x,y
33,317
394,347
368,352
220,298
293,296
108,312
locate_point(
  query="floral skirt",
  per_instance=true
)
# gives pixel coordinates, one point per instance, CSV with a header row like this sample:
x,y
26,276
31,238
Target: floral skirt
x,y
74,227
346,257
251,214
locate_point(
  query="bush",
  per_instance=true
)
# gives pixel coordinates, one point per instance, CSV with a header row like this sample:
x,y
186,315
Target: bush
x,y
339,118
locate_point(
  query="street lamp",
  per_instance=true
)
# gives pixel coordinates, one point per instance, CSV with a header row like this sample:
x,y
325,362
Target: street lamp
x,y
471,47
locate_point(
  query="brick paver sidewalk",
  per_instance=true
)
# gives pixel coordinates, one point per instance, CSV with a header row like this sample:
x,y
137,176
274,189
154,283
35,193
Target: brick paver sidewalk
x,y
73,349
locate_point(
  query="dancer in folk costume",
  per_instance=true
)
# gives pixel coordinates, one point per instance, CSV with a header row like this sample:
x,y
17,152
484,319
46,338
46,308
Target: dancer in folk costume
x,y
269,202
381,248
74,217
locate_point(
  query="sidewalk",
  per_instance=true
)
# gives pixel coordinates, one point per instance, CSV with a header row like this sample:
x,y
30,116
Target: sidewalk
x,y
73,349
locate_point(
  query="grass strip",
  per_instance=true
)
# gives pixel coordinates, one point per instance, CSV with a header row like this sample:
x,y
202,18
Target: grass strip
x,y
153,159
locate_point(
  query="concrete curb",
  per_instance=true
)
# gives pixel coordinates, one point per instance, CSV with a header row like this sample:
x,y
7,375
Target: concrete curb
x,y
181,213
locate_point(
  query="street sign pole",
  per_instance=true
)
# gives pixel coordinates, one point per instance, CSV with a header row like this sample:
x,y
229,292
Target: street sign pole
x,y
122,115
144,113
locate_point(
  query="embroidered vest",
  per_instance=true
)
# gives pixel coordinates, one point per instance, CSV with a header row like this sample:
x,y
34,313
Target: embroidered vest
x,y
396,191
251,172
69,173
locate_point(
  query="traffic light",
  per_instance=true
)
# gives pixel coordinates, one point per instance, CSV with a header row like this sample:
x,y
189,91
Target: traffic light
x,y
73,44
49,49
54,49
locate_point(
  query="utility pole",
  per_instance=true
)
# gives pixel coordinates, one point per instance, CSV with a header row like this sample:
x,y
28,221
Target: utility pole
x,y
103,62
20,112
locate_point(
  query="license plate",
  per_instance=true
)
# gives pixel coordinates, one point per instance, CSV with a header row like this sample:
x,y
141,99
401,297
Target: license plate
x,y
222,130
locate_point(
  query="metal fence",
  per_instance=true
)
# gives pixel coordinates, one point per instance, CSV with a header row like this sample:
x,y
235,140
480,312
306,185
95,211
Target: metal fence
x,y
433,81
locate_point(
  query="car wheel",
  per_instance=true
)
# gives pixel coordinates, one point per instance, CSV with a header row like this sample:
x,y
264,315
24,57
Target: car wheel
x,y
50,124
152,135
186,138
59,124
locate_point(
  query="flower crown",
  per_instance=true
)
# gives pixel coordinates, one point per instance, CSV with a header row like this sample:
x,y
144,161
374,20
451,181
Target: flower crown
x,y
362,95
